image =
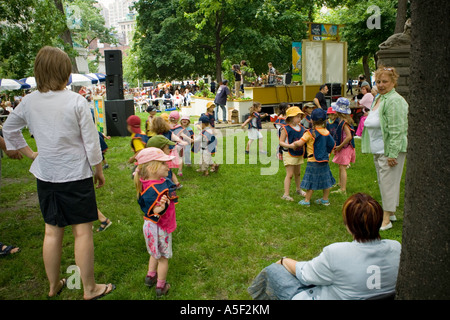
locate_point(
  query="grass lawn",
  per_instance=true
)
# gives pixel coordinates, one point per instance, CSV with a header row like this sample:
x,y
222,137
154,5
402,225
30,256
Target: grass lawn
x,y
230,226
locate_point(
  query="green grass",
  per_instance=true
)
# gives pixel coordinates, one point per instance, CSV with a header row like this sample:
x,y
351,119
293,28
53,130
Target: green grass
x,y
230,226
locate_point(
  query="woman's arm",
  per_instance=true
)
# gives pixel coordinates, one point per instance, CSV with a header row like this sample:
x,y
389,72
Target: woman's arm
x,y
288,263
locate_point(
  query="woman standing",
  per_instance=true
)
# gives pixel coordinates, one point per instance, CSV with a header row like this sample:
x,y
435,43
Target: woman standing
x,y
68,145
385,136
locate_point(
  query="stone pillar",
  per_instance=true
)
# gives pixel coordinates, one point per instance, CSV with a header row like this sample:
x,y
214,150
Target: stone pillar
x,y
398,57
395,52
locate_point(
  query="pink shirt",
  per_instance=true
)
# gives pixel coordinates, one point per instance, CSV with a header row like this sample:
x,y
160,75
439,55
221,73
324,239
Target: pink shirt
x,y
366,100
168,220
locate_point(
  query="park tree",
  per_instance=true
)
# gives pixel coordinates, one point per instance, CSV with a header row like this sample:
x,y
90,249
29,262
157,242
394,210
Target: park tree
x,y
26,27
424,271
177,40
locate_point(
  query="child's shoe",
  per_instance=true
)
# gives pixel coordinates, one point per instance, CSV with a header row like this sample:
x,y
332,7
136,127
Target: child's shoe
x,y
321,201
150,281
304,203
162,291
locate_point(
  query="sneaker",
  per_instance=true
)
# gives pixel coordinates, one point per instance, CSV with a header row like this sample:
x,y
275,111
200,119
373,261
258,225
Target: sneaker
x,y
162,291
247,152
105,166
321,201
304,203
150,281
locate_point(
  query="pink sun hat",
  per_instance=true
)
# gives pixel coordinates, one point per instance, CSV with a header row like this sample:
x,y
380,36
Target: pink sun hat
x,y
152,154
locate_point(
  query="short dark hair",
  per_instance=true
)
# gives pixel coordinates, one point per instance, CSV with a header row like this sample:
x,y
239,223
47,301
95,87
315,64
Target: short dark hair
x,y
323,86
363,216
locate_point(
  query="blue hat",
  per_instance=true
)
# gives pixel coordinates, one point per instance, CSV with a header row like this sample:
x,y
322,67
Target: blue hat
x,y
318,114
342,105
203,119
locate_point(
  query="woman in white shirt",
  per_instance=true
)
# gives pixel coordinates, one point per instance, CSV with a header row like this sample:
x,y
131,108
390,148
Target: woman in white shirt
x,y
68,147
365,268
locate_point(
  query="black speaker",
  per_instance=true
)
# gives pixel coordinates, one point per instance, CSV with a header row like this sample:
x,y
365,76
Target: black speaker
x,y
287,78
114,87
116,114
113,62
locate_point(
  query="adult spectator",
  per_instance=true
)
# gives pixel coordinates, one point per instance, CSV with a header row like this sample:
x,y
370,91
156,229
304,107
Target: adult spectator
x,y
221,100
350,86
63,168
237,80
319,100
365,102
272,74
385,136
365,268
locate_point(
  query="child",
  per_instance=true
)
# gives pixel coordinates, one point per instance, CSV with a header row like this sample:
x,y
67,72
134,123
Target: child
x,y
331,121
206,143
319,144
104,147
187,130
177,130
148,123
292,159
161,142
279,123
254,125
209,113
138,137
345,144
162,127
307,109
157,202
360,128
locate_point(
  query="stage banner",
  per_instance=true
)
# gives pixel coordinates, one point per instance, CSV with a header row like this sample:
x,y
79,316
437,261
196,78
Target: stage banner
x,y
297,61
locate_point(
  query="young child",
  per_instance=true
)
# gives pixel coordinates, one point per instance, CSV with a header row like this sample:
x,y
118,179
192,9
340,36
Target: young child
x,y
209,113
292,159
279,123
187,130
254,125
161,142
157,202
360,128
319,144
148,123
344,153
138,137
206,143
307,109
178,130
331,121
162,127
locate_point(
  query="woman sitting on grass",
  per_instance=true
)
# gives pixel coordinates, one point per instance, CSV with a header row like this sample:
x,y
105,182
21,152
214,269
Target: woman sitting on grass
x,y
365,268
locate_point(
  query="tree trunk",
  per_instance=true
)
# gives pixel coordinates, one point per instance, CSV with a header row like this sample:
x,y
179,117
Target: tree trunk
x,y
365,63
424,271
401,16
66,36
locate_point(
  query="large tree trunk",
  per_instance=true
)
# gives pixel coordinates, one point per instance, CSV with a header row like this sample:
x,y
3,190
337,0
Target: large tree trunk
x,y
365,64
401,16
425,259
66,36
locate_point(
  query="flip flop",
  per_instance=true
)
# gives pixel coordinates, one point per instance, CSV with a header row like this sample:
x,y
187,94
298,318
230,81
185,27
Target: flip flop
x,y
103,225
106,292
64,283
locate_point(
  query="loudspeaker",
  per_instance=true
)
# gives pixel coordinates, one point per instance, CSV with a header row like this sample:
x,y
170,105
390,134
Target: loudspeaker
x,y
116,114
287,78
113,62
114,87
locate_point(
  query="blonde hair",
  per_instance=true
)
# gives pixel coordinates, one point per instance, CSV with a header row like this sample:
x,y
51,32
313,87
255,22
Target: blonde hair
x,y
346,117
144,171
254,107
390,71
52,69
160,126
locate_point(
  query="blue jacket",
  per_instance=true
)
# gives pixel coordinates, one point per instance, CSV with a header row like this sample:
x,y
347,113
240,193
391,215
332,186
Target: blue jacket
x,y
323,145
292,136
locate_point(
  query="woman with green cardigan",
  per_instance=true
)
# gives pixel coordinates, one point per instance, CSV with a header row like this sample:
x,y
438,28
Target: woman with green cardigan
x,y
385,136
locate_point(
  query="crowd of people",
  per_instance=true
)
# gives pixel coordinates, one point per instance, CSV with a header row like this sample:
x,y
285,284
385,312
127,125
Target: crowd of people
x,y
162,146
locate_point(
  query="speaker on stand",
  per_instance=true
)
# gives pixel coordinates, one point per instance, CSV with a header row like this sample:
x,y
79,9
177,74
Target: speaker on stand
x,y
117,110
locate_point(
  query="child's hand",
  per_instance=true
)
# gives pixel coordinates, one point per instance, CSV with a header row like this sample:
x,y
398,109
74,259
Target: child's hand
x,y
161,205
108,137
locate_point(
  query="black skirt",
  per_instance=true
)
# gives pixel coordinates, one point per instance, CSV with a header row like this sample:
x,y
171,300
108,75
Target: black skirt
x,y
67,203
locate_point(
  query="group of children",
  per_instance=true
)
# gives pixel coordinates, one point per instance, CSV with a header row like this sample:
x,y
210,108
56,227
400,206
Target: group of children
x,y
165,144
312,133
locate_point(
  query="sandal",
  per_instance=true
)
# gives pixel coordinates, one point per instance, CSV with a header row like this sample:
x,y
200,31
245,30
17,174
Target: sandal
x,y
301,192
103,225
6,250
63,285
287,198
321,201
304,203
109,285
